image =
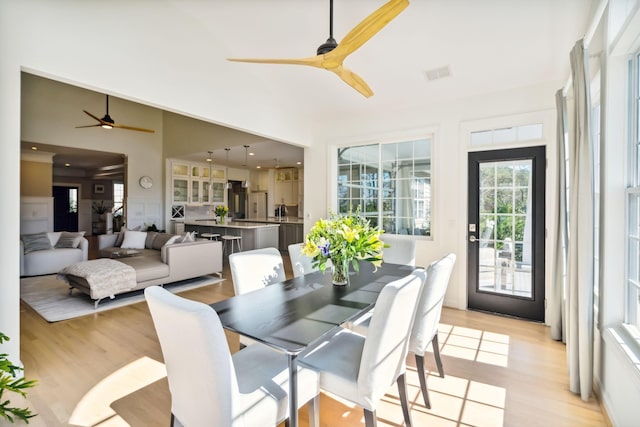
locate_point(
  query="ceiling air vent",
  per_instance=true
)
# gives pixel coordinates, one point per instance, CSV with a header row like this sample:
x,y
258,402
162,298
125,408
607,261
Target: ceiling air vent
x,y
438,73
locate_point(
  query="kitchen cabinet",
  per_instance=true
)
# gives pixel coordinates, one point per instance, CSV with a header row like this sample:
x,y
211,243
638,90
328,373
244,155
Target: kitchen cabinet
x,y
286,186
194,183
289,234
180,190
259,180
218,192
179,169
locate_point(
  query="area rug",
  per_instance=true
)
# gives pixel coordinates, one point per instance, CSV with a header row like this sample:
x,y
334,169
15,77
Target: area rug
x,y
50,298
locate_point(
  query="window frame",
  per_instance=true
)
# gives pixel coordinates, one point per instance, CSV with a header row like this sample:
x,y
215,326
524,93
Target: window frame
x,y
429,135
631,321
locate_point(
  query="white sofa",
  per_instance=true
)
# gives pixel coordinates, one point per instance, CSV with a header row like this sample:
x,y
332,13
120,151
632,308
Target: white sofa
x,y
52,260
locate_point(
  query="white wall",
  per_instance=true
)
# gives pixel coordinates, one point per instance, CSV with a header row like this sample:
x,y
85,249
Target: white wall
x,y
449,165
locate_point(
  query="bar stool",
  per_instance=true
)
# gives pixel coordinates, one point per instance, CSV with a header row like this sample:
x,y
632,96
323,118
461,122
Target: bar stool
x,y
228,240
210,236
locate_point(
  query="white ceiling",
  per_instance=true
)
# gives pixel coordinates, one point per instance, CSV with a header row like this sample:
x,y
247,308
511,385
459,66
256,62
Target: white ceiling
x,y
489,46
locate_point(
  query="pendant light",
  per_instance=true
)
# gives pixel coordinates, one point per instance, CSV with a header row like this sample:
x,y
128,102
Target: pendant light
x,y
245,183
210,161
229,185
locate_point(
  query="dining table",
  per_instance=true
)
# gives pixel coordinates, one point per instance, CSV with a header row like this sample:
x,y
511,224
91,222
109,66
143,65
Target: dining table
x,y
298,314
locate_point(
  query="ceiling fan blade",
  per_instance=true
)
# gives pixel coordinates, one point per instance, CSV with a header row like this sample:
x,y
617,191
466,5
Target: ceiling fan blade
x,y
116,125
89,126
92,116
314,61
354,80
366,29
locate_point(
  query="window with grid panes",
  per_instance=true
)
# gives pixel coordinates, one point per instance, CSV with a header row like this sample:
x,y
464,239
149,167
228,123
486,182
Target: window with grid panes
x,y
391,182
632,309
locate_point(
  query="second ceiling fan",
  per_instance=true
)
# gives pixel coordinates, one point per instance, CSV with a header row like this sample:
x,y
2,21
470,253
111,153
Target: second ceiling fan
x,y
330,55
108,123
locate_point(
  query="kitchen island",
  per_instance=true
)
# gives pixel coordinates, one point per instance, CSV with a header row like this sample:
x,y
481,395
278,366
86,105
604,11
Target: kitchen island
x,y
290,229
255,235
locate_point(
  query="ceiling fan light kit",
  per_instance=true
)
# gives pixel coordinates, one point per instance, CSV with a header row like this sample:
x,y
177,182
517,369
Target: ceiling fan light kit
x,y
331,55
108,123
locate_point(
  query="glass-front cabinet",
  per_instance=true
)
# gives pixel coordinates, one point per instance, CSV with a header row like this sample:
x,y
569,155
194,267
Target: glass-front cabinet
x,y
197,183
179,169
206,191
217,192
195,190
180,190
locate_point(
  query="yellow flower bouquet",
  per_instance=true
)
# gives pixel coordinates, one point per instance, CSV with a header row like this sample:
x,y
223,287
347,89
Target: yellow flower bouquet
x,y
345,240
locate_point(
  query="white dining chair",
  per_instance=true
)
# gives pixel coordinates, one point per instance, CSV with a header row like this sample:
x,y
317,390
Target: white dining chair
x,y
425,327
361,369
301,264
255,269
401,250
211,387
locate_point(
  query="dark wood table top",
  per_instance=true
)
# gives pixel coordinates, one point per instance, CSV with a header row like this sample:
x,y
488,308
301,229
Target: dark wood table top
x,y
295,314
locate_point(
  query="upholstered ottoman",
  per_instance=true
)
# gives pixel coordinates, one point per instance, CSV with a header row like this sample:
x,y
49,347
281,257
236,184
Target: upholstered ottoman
x,y
99,278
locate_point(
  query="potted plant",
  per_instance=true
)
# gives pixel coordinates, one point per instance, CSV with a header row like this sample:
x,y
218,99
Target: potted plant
x,y
100,208
9,382
344,240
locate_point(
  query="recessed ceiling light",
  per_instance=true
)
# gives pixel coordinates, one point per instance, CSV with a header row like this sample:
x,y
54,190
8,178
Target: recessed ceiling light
x,y
67,165
34,148
258,167
251,154
298,163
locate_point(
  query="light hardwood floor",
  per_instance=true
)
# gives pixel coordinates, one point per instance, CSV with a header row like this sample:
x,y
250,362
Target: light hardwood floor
x,y
104,369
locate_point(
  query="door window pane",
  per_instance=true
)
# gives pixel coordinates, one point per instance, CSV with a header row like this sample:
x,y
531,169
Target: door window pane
x,y
505,229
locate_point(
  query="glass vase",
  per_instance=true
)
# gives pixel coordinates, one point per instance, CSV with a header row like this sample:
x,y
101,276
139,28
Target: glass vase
x,y
340,272
222,219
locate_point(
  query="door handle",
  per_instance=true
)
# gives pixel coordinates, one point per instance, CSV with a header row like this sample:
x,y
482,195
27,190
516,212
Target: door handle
x,y
472,238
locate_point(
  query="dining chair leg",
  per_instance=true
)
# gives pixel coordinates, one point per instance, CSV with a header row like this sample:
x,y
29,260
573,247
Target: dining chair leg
x,y
173,420
314,411
423,380
370,419
404,401
436,353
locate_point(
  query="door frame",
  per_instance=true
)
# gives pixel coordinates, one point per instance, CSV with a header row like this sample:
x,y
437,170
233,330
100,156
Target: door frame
x,y
534,308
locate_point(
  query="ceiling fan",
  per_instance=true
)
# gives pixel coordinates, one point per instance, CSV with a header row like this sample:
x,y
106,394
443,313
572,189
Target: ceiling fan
x,y
330,54
108,123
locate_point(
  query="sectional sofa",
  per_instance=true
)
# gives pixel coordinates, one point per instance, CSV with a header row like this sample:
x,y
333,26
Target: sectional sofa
x,y
157,258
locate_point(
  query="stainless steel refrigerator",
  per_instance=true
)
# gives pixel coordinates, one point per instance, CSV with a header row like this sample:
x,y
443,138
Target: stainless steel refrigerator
x,y
258,205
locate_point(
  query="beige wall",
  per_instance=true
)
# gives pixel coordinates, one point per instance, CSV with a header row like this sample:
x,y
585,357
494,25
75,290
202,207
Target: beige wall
x,y
35,179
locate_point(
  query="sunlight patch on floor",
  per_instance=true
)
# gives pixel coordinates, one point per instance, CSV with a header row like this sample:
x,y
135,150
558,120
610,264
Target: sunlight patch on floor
x,y
473,344
94,408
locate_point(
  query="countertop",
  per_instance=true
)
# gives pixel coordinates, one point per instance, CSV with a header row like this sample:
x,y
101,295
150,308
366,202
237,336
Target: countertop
x,y
231,224
275,220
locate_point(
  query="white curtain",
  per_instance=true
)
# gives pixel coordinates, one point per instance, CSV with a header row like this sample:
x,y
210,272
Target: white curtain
x,y
557,298
579,291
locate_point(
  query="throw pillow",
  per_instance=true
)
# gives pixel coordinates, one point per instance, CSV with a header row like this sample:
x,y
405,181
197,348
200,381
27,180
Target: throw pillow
x,y
151,236
172,240
161,240
188,237
35,242
134,240
69,240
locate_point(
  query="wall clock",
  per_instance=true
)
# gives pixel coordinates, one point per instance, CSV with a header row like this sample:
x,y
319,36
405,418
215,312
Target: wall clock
x,y
146,182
